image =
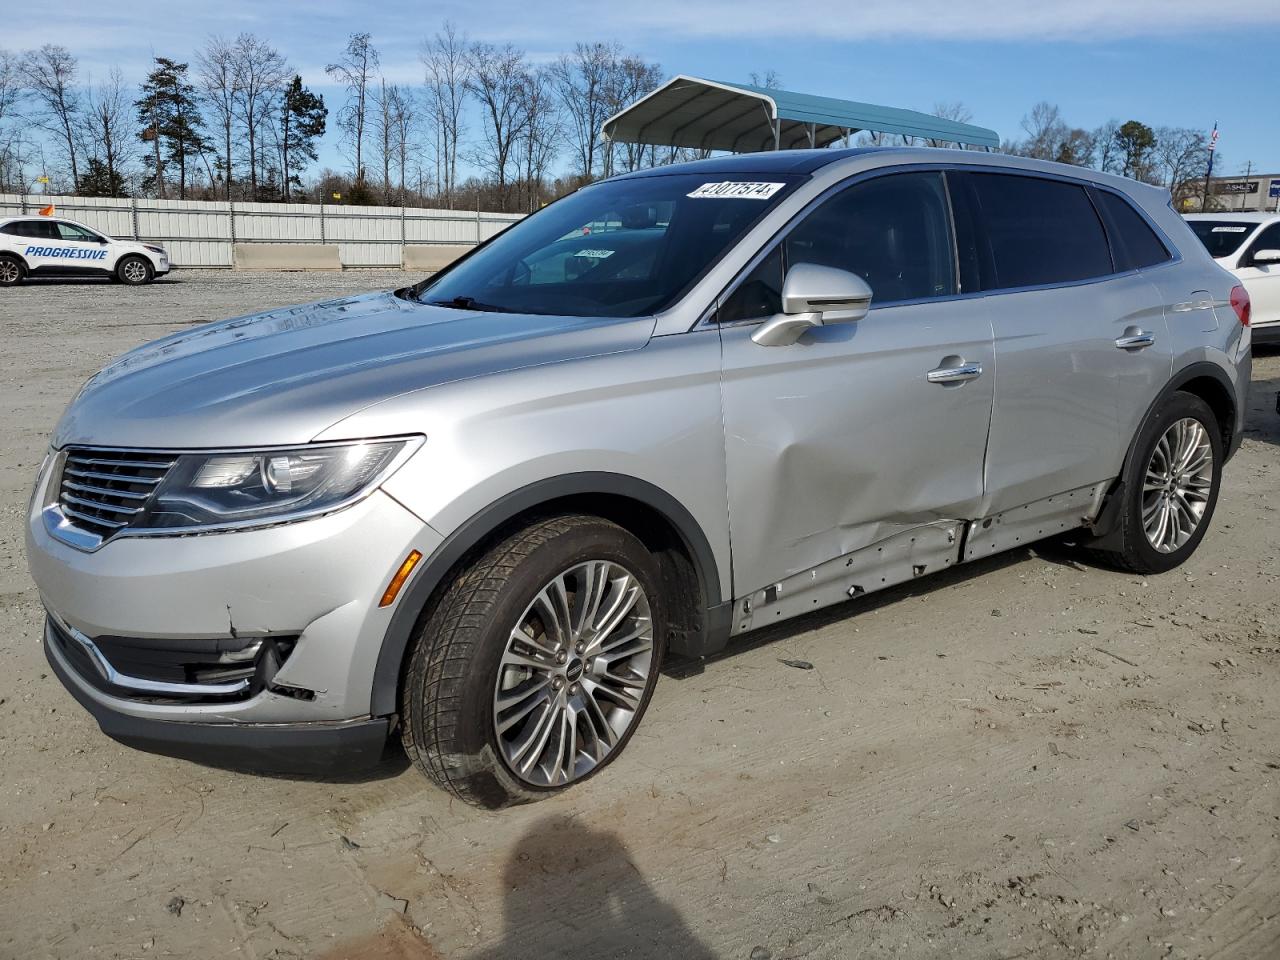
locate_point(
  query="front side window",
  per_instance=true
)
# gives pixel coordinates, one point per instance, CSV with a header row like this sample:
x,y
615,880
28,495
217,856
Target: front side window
x,y
1222,238
1038,231
69,231
1268,239
893,231
622,248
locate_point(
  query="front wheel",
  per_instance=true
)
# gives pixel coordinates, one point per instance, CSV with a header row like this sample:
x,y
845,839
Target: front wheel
x,y
134,271
533,669
1170,486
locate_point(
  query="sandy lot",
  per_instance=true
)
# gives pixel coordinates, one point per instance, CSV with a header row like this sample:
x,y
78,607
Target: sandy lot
x,y
1024,757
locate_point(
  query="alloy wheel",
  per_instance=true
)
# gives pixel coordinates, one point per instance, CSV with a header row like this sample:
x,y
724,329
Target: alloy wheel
x,y
573,674
135,271
9,271
1177,485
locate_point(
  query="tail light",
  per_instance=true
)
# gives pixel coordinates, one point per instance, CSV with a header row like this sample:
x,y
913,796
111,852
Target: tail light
x,y
1241,304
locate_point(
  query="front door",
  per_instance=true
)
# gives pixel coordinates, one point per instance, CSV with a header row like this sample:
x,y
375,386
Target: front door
x,y
842,439
1262,280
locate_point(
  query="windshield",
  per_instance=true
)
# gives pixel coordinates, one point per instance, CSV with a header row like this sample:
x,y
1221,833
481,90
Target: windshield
x,y
622,248
1222,238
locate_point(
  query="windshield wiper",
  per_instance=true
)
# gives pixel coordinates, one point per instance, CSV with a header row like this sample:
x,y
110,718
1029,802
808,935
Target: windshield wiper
x,y
470,303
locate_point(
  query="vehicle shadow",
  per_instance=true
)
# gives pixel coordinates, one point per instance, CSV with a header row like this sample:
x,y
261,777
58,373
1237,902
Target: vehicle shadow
x,y
572,890
1263,421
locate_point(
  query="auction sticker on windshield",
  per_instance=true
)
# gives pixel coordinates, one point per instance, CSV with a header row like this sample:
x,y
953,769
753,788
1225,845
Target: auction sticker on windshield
x,y
737,190
594,254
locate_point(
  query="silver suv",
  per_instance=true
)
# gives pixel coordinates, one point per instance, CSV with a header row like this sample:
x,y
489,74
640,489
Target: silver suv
x,y
668,409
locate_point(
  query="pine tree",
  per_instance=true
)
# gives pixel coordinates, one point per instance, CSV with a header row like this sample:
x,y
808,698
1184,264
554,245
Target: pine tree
x,y
302,116
171,122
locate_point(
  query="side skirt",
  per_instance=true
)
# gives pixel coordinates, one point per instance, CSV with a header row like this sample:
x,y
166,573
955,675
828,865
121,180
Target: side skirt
x,y
915,553
894,560
1034,521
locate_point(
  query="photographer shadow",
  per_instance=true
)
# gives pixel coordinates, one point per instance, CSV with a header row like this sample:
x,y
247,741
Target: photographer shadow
x,y
573,891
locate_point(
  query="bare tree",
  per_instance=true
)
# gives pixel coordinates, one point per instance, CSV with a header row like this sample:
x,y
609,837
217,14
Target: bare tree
x,y
1182,153
50,77
582,79
448,73
770,79
11,91
219,90
498,82
630,79
392,119
111,132
259,74
540,133
356,70
1105,156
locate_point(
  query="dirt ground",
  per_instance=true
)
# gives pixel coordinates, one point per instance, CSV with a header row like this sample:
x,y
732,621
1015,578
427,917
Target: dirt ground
x,y
1023,757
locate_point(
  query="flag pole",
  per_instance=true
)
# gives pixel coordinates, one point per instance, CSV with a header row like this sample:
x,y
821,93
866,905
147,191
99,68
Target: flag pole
x,y
1213,143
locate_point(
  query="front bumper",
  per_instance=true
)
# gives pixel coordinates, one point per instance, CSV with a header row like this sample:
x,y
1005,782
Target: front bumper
x,y
336,748
313,585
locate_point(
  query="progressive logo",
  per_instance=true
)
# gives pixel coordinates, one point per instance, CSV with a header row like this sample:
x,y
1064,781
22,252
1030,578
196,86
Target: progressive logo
x,y
66,253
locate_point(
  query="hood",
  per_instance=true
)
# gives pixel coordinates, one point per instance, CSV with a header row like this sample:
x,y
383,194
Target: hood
x,y
283,376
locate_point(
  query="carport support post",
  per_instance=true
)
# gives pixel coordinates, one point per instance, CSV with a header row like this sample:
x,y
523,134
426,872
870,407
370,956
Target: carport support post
x,y
777,133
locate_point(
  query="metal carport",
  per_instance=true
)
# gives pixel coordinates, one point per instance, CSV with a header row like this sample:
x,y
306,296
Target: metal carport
x,y
737,117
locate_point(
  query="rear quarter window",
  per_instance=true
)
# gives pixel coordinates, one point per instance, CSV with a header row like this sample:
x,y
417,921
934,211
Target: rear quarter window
x,y
1134,244
1038,231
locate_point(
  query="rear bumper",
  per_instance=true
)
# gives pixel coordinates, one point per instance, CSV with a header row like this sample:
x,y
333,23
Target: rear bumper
x,y
1267,333
327,749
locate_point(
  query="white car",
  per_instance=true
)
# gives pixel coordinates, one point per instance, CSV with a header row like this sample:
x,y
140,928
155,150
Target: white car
x,y
1248,244
41,246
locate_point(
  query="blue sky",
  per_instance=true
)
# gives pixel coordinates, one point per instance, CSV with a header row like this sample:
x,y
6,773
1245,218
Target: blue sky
x,y
1165,62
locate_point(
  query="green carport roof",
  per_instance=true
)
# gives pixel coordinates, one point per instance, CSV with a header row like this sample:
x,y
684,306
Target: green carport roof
x,y
740,118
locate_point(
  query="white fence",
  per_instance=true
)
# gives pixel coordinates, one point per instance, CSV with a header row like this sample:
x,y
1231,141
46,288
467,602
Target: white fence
x,y
201,233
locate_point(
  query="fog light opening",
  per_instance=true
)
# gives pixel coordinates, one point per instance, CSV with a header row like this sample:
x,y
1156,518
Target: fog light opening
x,y
393,588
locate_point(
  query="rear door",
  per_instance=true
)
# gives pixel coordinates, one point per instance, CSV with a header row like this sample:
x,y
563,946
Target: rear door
x,y
841,439
1080,345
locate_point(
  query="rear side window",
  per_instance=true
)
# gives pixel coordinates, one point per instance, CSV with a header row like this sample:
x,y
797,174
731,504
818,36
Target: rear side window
x,y
1133,243
38,229
1038,231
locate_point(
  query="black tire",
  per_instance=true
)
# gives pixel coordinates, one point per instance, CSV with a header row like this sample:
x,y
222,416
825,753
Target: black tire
x,y
447,697
1129,548
12,271
127,271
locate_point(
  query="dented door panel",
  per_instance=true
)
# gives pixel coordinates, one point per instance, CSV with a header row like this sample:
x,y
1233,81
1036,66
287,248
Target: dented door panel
x,y
840,440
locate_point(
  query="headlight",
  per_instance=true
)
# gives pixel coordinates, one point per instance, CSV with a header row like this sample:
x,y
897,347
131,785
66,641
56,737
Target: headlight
x,y
245,488
159,250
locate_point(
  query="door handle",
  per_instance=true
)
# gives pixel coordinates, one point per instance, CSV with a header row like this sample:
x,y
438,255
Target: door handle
x,y
956,374
1137,340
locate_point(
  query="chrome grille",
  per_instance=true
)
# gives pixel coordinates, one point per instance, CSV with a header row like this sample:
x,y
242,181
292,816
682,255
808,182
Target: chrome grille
x,y
103,491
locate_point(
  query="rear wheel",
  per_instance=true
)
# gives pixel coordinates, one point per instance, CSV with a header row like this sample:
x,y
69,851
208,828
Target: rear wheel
x,y
134,271
1170,487
11,271
533,669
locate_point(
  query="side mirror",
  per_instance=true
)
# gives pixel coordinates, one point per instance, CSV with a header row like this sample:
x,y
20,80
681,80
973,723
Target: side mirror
x,y
1266,256
814,296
